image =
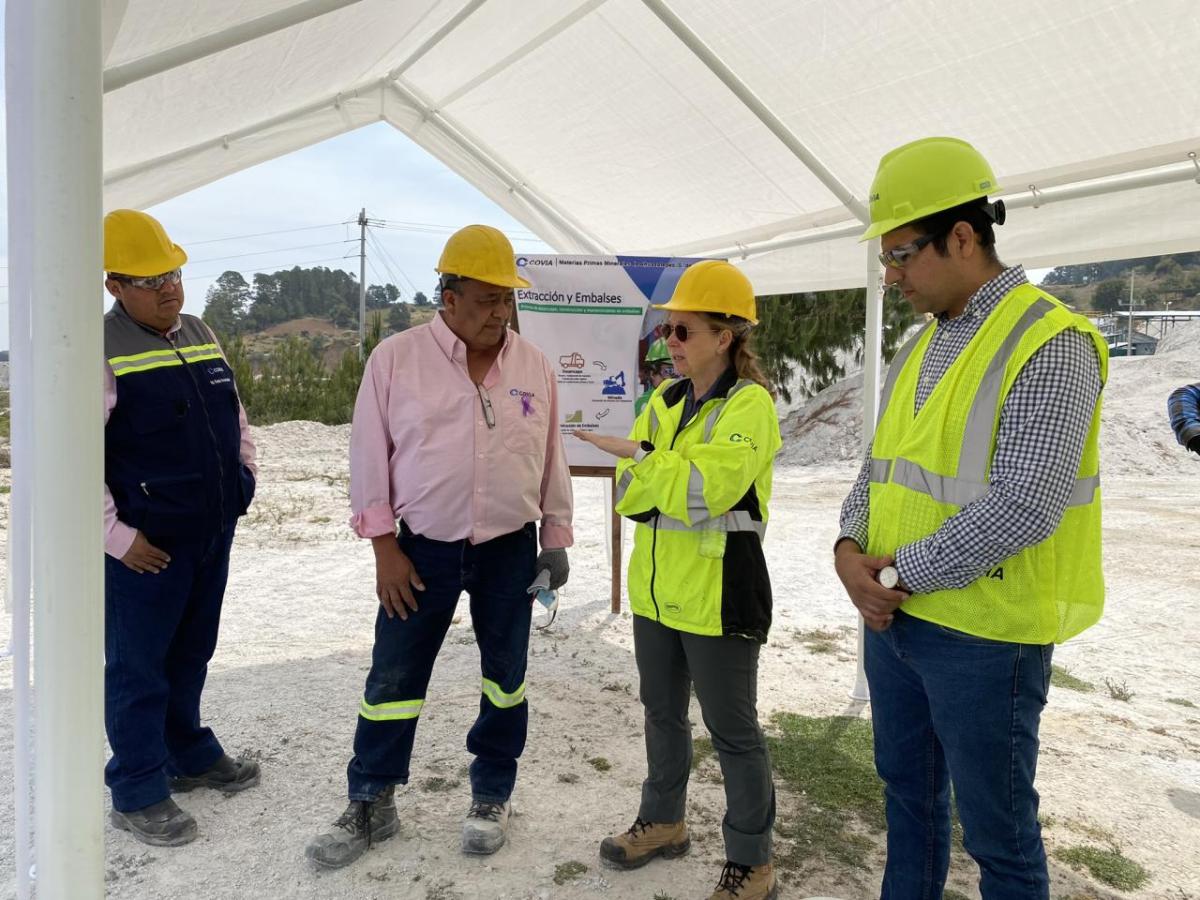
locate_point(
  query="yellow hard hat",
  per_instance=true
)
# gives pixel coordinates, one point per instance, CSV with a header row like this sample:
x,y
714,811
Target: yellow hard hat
x,y
714,286
483,253
925,177
135,243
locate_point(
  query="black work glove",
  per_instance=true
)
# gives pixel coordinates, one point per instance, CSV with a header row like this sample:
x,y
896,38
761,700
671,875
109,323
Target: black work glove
x,y
1194,445
555,561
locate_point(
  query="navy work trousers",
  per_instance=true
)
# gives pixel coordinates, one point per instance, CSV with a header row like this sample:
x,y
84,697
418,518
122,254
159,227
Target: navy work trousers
x,y
159,634
496,574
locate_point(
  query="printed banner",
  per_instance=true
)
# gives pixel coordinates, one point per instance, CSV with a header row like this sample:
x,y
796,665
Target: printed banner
x,y
591,316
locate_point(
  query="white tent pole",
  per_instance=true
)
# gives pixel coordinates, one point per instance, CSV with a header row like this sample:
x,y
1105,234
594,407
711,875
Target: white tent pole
x,y
1033,198
514,184
243,32
436,38
64,175
872,367
743,92
538,40
19,108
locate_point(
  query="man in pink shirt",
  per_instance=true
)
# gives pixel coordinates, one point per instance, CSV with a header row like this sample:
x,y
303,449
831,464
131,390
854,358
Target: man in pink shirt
x,y
178,472
456,436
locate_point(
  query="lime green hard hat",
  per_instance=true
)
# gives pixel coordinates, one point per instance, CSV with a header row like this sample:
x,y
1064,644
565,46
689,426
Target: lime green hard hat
x,y
925,177
658,352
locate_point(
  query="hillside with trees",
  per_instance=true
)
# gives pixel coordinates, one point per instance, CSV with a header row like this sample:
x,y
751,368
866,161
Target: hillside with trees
x,y
1159,282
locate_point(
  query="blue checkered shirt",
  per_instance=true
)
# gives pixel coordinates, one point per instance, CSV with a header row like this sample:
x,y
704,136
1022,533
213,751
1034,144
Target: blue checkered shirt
x,y
1039,442
1183,406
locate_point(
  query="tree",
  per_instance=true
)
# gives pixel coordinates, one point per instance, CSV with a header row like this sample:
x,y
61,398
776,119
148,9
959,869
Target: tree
x,y
226,303
820,332
1109,294
420,299
399,318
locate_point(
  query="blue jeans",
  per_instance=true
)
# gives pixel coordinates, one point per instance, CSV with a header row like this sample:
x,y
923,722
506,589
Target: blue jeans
x,y
948,707
160,631
496,574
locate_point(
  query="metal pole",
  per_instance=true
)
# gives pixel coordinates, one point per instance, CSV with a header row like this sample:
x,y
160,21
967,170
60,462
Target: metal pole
x,y
64,174
210,44
362,283
872,368
1129,337
19,108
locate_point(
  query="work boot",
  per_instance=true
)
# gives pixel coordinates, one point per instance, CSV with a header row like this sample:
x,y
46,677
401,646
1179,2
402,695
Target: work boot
x,y
746,883
161,824
485,827
363,824
644,841
226,774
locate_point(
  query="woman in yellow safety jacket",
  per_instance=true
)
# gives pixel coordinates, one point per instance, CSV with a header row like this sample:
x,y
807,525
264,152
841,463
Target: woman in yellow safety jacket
x,y
695,474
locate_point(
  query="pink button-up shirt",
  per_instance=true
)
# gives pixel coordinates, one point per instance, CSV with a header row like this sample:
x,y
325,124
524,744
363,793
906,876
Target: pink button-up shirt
x,y
421,448
118,537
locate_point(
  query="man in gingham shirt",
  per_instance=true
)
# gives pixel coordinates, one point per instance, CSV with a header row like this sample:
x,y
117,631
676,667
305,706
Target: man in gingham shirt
x,y
957,681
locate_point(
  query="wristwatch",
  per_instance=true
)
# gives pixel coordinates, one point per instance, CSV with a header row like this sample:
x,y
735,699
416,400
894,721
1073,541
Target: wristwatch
x,y
645,448
888,577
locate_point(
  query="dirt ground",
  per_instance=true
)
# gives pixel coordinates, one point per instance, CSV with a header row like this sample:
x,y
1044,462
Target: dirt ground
x,y
288,674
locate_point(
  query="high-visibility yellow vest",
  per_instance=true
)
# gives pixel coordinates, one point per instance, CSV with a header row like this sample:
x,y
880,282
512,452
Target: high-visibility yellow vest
x,y
927,466
700,502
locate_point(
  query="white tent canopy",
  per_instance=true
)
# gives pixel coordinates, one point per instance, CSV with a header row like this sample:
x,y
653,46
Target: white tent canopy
x,y
714,127
704,127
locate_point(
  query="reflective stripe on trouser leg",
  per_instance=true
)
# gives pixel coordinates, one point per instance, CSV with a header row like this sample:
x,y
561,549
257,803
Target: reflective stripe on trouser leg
x,y
383,712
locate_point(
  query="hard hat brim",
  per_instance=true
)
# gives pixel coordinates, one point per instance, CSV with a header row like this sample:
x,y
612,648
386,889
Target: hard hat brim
x,y
687,307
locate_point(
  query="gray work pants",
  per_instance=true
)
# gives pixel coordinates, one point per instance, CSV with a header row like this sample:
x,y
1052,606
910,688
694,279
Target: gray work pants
x,y
725,673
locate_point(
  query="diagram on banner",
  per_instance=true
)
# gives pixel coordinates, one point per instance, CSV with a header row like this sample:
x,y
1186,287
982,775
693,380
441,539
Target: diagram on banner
x,y
615,386
593,318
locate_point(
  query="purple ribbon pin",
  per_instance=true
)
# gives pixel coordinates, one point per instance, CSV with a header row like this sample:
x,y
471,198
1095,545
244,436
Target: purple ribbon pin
x,y
526,405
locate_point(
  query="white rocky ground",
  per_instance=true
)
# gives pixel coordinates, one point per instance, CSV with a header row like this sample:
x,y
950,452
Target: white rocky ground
x,y
295,647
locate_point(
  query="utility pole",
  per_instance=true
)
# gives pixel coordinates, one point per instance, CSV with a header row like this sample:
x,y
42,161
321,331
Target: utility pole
x,y
1129,335
362,282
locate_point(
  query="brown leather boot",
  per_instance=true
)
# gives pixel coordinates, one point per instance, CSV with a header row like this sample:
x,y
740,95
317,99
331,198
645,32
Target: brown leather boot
x,y
643,842
746,883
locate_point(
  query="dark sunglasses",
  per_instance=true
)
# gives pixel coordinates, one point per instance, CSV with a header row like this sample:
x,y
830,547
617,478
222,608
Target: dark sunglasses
x,y
681,332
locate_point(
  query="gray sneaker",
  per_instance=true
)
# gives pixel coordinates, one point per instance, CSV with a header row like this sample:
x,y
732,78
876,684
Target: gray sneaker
x,y
485,827
363,824
162,824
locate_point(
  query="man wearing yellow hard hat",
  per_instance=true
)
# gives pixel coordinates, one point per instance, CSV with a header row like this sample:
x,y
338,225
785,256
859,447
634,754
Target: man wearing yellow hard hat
x,y
970,542
695,475
179,471
455,436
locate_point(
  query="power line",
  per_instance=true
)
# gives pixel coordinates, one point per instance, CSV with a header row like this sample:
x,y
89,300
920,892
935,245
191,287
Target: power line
x,y
239,237
264,252
389,260
280,268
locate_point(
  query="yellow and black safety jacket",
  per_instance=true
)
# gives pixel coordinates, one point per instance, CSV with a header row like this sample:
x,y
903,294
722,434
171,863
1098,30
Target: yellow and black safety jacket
x,y
700,502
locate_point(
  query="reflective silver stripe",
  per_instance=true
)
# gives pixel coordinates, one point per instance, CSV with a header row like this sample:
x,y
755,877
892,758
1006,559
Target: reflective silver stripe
x,y
711,422
1084,491
976,451
500,698
388,712
623,483
896,365
880,469
736,520
941,488
653,420
695,495
961,491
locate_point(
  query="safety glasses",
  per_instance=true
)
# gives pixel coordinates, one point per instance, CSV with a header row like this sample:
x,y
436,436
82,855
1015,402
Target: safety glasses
x,y
489,414
681,332
152,282
898,257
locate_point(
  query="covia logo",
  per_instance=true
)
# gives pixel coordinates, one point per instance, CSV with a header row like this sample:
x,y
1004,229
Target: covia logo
x,y
516,392
743,439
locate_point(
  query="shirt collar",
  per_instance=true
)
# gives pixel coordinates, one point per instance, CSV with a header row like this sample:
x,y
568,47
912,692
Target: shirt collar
x,y
453,346
120,310
989,294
